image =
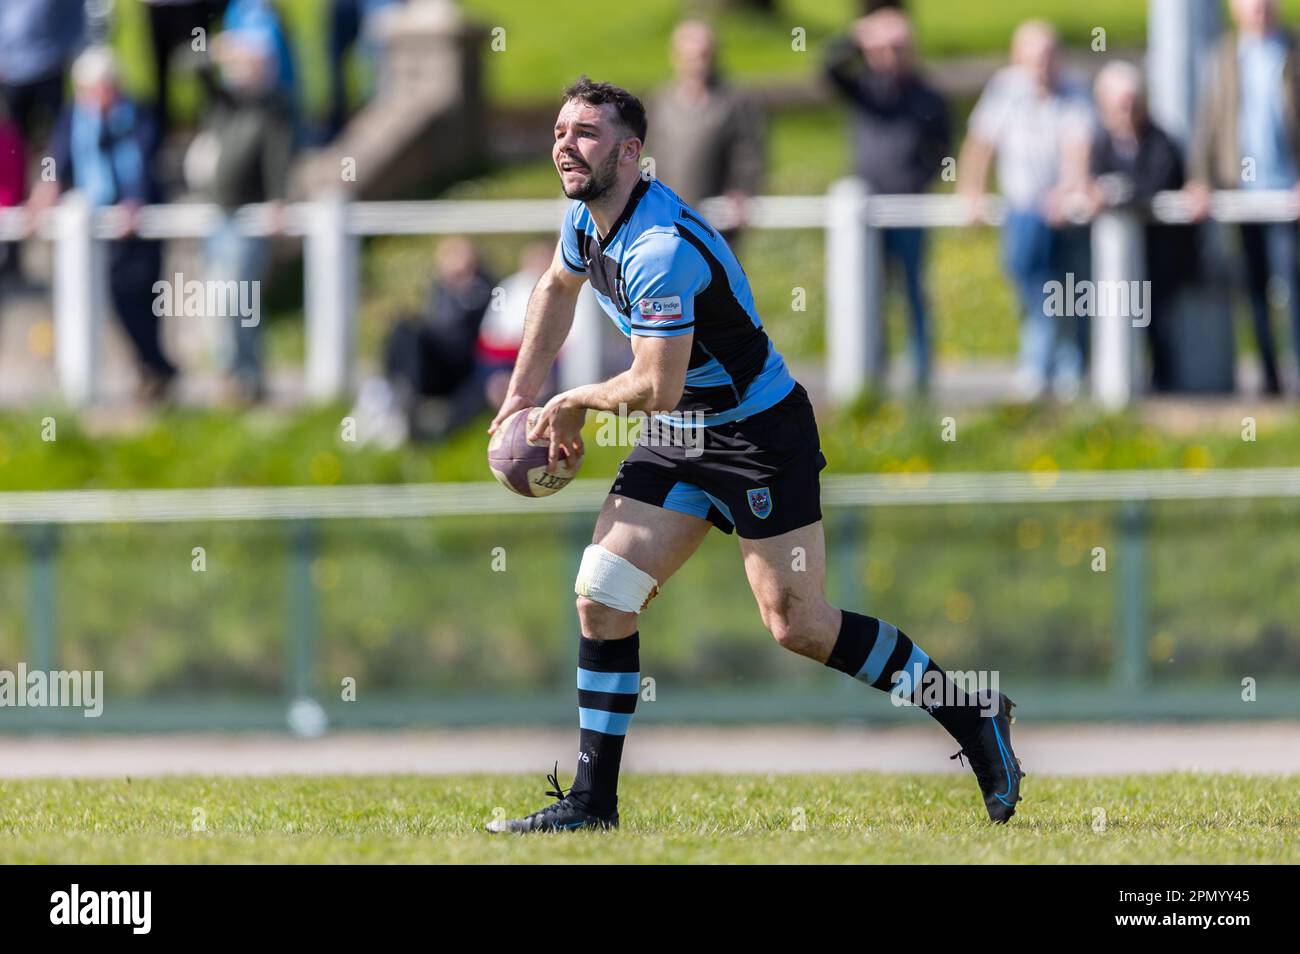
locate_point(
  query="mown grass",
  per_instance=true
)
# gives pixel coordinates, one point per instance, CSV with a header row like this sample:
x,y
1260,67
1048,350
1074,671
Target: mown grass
x,y
1174,818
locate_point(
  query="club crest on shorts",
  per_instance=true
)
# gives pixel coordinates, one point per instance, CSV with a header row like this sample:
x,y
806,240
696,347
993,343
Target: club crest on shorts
x,y
760,502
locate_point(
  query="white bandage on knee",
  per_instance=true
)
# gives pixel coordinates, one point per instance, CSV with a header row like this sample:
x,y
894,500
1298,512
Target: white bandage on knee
x,y
614,582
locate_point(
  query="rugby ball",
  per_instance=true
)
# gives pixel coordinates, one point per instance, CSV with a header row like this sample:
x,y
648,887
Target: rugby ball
x,y
520,464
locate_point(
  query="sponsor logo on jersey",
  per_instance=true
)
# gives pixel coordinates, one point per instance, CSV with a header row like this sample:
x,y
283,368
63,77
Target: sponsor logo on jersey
x,y
670,307
760,502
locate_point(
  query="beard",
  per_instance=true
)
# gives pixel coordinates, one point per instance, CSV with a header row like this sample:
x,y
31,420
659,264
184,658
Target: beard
x,y
600,181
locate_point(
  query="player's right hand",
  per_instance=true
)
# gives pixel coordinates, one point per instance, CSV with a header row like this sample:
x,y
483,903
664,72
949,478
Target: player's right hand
x,y
512,403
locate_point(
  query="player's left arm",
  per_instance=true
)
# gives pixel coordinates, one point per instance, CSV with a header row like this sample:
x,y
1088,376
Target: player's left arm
x,y
653,383
662,281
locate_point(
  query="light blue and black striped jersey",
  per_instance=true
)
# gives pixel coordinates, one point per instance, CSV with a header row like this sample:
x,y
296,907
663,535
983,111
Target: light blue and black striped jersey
x,y
663,270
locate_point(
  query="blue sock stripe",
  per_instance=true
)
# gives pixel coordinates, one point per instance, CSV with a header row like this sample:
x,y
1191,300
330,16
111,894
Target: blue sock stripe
x,y
1007,765
598,720
878,658
910,675
608,681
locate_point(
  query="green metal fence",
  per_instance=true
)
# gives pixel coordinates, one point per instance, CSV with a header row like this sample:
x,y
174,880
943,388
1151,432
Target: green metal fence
x,y
1100,596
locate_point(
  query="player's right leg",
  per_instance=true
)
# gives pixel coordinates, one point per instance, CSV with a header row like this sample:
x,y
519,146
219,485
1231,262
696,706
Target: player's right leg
x,y
635,548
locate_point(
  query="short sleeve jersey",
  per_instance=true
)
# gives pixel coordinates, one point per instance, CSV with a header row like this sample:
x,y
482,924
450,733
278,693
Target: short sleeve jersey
x,y
663,270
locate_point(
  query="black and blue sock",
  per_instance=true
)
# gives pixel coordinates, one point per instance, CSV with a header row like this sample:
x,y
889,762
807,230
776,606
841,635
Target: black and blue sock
x,y
609,681
877,653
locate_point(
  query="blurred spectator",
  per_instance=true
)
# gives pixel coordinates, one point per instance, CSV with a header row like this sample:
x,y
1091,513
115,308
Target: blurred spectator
x,y
707,138
241,157
13,170
350,21
172,24
1131,160
103,147
38,39
502,332
1248,137
13,174
903,135
435,356
260,16
1038,121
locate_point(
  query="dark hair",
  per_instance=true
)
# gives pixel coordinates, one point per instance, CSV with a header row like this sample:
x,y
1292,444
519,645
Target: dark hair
x,y
631,113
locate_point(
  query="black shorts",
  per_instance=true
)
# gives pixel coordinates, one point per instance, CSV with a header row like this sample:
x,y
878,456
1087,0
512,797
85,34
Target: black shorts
x,y
758,476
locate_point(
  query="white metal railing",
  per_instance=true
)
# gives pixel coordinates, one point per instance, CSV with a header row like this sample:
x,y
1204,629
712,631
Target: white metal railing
x,y
331,229
405,501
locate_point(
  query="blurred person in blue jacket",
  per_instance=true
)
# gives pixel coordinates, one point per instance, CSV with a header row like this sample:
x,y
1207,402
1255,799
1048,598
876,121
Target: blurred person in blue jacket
x,y
103,146
261,17
1248,137
38,39
351,25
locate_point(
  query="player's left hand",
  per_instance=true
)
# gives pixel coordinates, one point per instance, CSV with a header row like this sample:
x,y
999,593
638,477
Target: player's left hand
x,y
561,421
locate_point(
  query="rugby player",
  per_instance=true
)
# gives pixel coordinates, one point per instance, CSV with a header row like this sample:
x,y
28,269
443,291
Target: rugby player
x,y
700,359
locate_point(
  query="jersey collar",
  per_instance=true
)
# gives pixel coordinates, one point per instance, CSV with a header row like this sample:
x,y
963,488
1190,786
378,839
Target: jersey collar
x,y
641,189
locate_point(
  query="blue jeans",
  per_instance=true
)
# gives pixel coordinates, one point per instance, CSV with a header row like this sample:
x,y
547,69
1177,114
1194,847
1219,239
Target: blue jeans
x,y
1034,254
906,247
1270,250
232,256
347,28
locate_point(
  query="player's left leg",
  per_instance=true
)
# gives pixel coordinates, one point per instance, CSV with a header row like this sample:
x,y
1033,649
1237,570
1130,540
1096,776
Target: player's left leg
x,y
787,573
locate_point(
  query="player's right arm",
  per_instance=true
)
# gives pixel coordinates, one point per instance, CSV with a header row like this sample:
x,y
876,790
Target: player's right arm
x,y
546,325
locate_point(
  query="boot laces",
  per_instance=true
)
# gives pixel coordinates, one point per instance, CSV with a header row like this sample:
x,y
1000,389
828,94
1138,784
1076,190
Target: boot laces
x,y
556,791
980,766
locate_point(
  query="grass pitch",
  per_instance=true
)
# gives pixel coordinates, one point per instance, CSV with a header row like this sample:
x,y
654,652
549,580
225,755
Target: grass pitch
x,y
689,818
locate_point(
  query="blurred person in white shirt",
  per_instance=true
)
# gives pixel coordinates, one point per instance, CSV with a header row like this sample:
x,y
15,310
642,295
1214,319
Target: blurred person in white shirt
x,y
1038,121
502,332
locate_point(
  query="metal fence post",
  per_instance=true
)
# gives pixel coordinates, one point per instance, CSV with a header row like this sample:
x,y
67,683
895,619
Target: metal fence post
x,y
79,282
1180,33
1132,666
331,269
42,603
854,273
844,578
1117,257
306,717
